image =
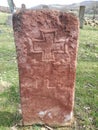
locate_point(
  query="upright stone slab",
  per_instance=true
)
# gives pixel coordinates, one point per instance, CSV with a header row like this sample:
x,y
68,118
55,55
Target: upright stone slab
x,y
46,45
81,15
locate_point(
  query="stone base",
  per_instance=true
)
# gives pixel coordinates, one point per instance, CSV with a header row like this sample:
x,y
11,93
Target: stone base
x,y
66,124
63,124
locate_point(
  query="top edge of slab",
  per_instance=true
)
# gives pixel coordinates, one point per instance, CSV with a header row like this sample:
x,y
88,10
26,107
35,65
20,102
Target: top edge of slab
x,y
22,11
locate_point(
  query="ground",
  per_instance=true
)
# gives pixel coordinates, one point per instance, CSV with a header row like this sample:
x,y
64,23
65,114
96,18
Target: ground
x,y
86,92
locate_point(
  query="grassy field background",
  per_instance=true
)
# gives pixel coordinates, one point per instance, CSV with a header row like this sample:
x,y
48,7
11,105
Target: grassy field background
x,y
86,96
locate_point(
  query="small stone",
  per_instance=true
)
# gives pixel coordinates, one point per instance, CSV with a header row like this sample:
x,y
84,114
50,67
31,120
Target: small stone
x,y
14,128
48,127
43,128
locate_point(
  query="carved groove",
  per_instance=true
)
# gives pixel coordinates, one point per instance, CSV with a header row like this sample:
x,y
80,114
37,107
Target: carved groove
x,y
48,45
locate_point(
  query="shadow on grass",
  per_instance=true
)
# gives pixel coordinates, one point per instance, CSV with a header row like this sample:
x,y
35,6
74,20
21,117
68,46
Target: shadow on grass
x,y
13,95
11,100
8,119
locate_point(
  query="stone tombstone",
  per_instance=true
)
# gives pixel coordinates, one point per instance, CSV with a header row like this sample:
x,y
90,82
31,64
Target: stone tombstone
x,y
46,45
23,6
9,20
81,15
11,5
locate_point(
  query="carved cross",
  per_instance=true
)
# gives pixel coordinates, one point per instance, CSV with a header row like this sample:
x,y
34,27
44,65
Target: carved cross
x,y
48,45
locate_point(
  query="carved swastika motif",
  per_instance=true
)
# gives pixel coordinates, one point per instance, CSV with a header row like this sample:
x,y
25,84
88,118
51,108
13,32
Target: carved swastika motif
x,y
48,45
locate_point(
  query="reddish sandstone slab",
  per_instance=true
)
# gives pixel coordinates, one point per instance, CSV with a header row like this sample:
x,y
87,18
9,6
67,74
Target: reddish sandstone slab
x,y
46,45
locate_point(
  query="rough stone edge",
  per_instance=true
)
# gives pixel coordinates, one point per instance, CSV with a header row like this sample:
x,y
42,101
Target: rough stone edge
x,y
72,120
67,124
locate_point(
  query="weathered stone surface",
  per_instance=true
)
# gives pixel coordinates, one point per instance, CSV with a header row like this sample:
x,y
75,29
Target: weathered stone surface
x,y
46,44
9,20
81,15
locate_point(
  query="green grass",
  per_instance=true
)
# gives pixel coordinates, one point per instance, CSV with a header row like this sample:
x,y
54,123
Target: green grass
x,y
86,96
